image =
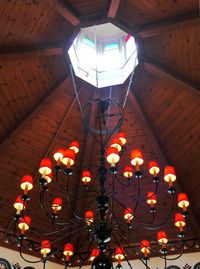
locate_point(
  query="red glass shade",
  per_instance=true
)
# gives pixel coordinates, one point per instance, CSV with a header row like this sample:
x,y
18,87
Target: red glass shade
x,y
136,157
68,249
116,143
19,203
154,168
183,201
57,204
151,198
112,155
128,171
122,138
145,245
74,145
49,177
128,213
45,167
69,157
162,237
45,247
119,253
179,220
86,176
89,214
27,182
24,223
169,174
94,254
57,201
58,155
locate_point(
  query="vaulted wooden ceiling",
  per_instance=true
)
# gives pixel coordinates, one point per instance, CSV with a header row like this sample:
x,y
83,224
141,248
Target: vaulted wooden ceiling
x,y
39,111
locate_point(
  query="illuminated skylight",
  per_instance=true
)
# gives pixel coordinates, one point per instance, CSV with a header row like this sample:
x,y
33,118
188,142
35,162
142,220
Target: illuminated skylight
x,y
103,55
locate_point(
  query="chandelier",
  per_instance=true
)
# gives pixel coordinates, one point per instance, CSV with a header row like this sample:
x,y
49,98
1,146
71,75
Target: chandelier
x,y
105,232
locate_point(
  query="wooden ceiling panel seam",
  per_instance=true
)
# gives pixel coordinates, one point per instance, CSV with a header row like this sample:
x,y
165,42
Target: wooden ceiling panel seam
x,y
35,108
169,25
167,74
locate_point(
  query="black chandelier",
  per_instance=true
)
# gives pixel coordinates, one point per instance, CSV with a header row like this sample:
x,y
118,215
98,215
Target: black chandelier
x,y
103,227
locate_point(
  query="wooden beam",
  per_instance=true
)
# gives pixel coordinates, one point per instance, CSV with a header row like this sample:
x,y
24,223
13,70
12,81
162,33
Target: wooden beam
x,y
139,113
170,76
167,25
64,11
13,131
12,54
114,5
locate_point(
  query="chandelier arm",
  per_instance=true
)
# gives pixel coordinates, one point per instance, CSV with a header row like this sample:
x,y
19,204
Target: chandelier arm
x,y
78,248
88,251
5,234
121,182
123,206
69,201
144,198
26,260
122,251
127,243
110,254
47,215
72,232
166,220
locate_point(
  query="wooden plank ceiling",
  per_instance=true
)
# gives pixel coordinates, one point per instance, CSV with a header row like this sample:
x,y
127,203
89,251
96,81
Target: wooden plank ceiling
x,y
39,111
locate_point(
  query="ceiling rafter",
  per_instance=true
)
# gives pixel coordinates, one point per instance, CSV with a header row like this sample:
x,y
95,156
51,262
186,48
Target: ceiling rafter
x,y
169,24
169,75
66,12
114,5
12,54
29,116
139,113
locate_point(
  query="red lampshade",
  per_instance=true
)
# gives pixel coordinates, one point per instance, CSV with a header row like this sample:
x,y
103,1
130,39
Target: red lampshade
x,y
122,138
179,220
58,155
119,253
26,182
128,171
162,237
112,155
154,168
86,176
136,157
45,167
57,204
74,145
128,214
169,174
45,247
94,254
68,249
69,157
145,245
24,223
19,204
183,201
89,217
116,143
151,198
49,177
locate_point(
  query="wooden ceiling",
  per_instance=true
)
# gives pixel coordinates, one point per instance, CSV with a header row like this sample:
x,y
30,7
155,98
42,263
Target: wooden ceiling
x,y
39,111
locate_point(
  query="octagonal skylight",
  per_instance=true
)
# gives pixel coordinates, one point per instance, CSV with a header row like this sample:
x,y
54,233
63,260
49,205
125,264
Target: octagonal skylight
x,y
103,55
